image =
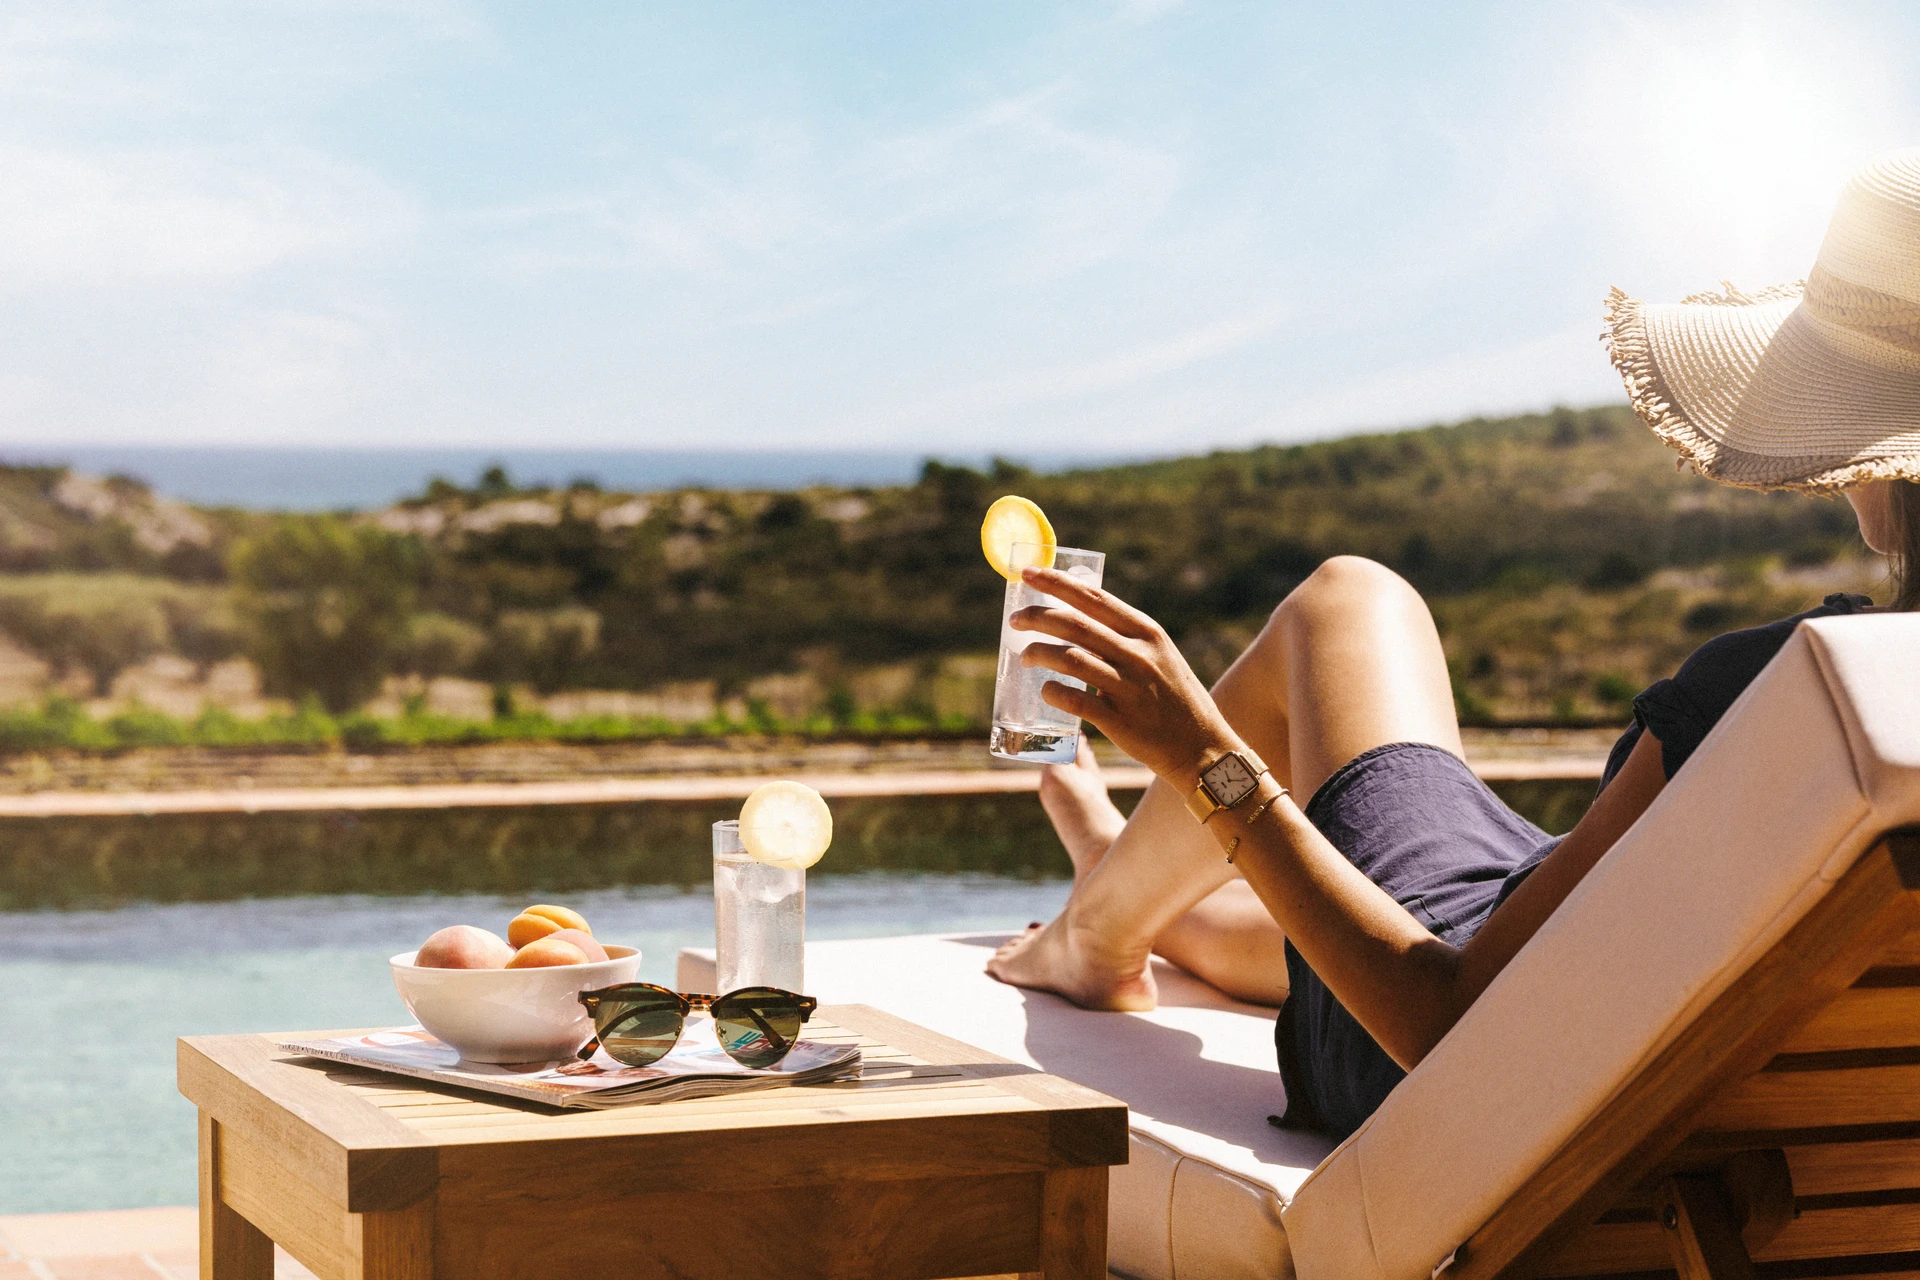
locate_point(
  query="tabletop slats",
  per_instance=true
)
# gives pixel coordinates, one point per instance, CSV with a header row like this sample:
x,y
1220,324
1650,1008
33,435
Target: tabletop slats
x,y
794,1103
893,1084
408,1105
602,1125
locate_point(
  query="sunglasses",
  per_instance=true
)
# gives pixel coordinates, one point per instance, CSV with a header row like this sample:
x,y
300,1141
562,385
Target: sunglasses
x,y
637,1022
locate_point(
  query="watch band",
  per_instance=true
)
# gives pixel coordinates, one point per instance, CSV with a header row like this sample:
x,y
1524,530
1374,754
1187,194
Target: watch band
x,y
1201,803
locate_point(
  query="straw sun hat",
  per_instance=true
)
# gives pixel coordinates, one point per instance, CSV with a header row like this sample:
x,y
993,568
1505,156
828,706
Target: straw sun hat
x,y
1812,386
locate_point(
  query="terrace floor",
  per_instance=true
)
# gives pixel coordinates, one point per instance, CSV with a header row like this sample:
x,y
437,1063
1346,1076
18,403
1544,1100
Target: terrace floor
x,y
115,1244
122,1244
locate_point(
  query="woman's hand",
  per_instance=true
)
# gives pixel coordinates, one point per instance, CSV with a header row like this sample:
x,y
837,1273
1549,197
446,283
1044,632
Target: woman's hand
x,y
1141,694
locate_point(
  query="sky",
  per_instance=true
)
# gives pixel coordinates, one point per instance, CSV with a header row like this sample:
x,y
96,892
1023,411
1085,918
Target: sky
x,y
1130,226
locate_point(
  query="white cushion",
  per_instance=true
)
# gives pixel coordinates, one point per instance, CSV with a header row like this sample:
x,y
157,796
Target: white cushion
x,y
1816,760
1201,1196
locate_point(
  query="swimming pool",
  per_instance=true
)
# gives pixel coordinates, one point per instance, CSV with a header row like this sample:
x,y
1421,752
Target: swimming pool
x,y
91,1000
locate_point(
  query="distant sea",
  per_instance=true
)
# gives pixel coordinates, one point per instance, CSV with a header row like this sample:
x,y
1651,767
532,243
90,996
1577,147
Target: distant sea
x,y
331,479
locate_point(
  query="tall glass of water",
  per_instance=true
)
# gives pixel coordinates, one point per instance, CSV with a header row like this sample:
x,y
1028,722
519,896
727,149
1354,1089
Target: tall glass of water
x,y
1025,727
759,918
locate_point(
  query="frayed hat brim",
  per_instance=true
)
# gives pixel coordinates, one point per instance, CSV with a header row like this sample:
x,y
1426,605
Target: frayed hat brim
x,y
1758,391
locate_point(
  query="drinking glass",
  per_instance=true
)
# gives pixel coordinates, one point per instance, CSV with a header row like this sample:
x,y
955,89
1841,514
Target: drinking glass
x,y
1025,727
759,918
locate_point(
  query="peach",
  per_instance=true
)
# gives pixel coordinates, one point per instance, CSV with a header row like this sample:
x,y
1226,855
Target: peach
x,y
542,919
585,941
542,953
462,946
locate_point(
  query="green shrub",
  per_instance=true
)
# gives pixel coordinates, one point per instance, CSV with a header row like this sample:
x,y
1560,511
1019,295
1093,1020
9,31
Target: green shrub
x,y
106,622
139,726
1614,689
438,644
326,603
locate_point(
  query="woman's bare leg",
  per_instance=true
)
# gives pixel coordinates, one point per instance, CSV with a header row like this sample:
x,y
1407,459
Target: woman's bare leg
x,y
1083,814
1349,661
1230,940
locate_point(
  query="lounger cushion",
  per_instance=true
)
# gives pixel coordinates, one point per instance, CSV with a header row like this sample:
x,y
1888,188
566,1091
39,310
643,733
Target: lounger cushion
x,y
1200,1198
1817,759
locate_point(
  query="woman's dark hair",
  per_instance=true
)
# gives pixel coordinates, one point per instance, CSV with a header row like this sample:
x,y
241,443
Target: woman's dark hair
x,y
1905,560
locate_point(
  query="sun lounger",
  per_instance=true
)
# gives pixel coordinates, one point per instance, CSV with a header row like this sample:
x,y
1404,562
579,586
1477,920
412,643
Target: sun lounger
x,y
1709,1057
1207,1175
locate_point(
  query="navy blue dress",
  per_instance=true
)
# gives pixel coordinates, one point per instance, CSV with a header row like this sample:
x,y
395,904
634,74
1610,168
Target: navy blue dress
x,y
1418,822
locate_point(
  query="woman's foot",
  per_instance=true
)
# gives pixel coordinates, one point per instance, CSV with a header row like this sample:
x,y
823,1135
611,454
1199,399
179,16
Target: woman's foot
x,y
1056,957
1060,959
1083,816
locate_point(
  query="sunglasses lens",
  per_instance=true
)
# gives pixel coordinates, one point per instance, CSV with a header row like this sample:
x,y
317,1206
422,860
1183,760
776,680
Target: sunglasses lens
x,y
757,1025
638,1030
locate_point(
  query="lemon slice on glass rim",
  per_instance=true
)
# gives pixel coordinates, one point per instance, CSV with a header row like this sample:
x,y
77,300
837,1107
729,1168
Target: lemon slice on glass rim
x,y
786,824
1010,521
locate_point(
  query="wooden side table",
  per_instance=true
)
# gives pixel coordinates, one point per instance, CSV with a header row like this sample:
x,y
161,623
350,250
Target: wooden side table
x,y
942,1161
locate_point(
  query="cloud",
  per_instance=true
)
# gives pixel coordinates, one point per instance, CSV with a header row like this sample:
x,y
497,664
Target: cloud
x,y
132,217
1120,398
1069,195
686,218
1056,197
1116,371
1565,367
1141,222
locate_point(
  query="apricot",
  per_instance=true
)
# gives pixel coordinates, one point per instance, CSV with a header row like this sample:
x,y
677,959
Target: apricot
x,y
542,953
542,919
585,941
461,946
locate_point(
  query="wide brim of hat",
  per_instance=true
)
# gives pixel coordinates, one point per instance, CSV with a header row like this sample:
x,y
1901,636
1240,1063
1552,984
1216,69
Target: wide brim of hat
x,y
1754,390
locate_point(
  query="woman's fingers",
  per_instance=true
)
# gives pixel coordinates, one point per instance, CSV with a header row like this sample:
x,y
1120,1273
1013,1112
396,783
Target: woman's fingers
x,y
1070,660
1100,605
1067,625
1084,703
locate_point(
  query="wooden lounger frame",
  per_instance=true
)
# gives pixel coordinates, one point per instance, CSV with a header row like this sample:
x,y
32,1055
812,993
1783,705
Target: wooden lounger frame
x,y
1777,1137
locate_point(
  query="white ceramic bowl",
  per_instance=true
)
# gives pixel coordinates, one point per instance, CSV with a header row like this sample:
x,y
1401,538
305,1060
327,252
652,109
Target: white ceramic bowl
x,y
509,1015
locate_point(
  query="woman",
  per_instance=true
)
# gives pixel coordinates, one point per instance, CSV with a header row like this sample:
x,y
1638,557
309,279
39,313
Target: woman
x,y
1376,913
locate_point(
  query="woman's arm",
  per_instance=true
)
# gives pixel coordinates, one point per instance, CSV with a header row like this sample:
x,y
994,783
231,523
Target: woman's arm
x,y
1406,987
1640,779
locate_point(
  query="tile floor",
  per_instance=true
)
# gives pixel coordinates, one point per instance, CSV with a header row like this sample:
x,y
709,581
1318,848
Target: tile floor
x,y
122,1244
118,1244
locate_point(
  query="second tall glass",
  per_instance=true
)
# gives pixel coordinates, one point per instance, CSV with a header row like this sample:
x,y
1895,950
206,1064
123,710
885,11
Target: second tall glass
x,y
759,917
1025,727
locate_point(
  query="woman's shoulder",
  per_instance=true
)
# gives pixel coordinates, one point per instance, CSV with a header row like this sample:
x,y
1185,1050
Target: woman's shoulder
x,y
1748,651
1681,711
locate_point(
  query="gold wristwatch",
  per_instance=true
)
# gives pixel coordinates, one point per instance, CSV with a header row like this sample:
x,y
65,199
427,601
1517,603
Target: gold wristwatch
x,y
1224,783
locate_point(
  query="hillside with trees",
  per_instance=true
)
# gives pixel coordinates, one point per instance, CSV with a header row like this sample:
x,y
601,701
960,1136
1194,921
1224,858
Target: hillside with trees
x,y
1567,558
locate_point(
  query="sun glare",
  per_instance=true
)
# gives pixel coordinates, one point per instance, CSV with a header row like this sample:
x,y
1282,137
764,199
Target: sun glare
x,y
1740,135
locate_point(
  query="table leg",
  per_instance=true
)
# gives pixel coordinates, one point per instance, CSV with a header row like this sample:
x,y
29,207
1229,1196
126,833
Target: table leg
x,y
231,1248
1073,1226
396,1245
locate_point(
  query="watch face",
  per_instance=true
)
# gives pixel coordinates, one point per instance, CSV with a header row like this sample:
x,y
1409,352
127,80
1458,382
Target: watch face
x,y
1229,781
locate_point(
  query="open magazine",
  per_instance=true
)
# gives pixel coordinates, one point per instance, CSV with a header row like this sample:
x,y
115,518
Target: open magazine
x,y
697,1068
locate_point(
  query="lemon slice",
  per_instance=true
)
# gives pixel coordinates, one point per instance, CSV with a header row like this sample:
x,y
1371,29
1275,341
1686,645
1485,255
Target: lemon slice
x,y
1012,520
786,824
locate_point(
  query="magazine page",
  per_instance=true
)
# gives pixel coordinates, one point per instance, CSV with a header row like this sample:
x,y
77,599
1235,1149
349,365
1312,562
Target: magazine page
x,y
697,1066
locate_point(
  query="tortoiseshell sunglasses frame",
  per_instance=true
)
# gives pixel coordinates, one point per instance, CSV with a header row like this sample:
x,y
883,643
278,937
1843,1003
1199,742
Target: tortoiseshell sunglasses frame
x,y
688,1002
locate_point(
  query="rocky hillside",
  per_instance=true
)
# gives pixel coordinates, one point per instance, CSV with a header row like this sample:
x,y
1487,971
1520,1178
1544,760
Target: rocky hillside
x,y
1568,559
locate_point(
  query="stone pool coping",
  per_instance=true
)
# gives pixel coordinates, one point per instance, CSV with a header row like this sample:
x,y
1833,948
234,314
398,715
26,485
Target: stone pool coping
x,y
63,804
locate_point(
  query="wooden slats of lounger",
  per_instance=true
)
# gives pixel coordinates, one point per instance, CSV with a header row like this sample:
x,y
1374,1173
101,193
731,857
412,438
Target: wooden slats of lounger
x,y
1789,1111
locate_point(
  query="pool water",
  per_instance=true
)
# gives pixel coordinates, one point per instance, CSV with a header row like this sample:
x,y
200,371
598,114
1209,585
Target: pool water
x,y
92,1000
